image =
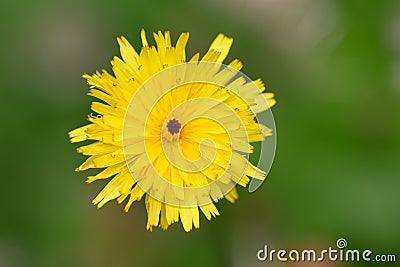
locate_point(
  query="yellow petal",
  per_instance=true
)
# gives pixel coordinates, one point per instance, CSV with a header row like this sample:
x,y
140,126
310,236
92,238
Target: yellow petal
x,y
221,44
128,53
143,37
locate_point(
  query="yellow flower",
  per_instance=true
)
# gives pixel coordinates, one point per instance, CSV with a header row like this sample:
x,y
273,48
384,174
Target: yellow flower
x,y
177,132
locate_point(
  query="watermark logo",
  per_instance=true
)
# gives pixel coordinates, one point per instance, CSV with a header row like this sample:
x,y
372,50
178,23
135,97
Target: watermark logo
x,y
341,243
339,253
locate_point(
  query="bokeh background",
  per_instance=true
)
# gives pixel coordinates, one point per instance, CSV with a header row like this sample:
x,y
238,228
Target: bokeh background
x,y
335,69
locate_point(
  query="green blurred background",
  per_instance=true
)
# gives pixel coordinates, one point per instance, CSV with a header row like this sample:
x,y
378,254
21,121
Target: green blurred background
x,y
335,69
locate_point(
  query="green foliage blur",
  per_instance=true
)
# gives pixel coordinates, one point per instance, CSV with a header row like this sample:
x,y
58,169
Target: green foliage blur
x,y
334,67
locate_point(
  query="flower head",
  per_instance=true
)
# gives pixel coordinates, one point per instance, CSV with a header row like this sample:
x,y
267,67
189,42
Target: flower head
x,y
173,131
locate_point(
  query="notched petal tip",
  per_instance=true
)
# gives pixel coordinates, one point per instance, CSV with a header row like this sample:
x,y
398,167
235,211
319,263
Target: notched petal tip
x,y
143,37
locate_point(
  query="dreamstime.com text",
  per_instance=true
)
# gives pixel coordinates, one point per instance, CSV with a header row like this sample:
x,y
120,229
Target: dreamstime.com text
x,y
340,253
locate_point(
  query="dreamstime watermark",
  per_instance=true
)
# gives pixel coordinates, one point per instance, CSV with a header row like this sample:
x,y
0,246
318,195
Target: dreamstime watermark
x,y
339,253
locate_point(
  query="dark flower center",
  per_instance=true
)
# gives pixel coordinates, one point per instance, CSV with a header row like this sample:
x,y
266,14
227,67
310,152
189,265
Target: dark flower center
x,y
174,126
